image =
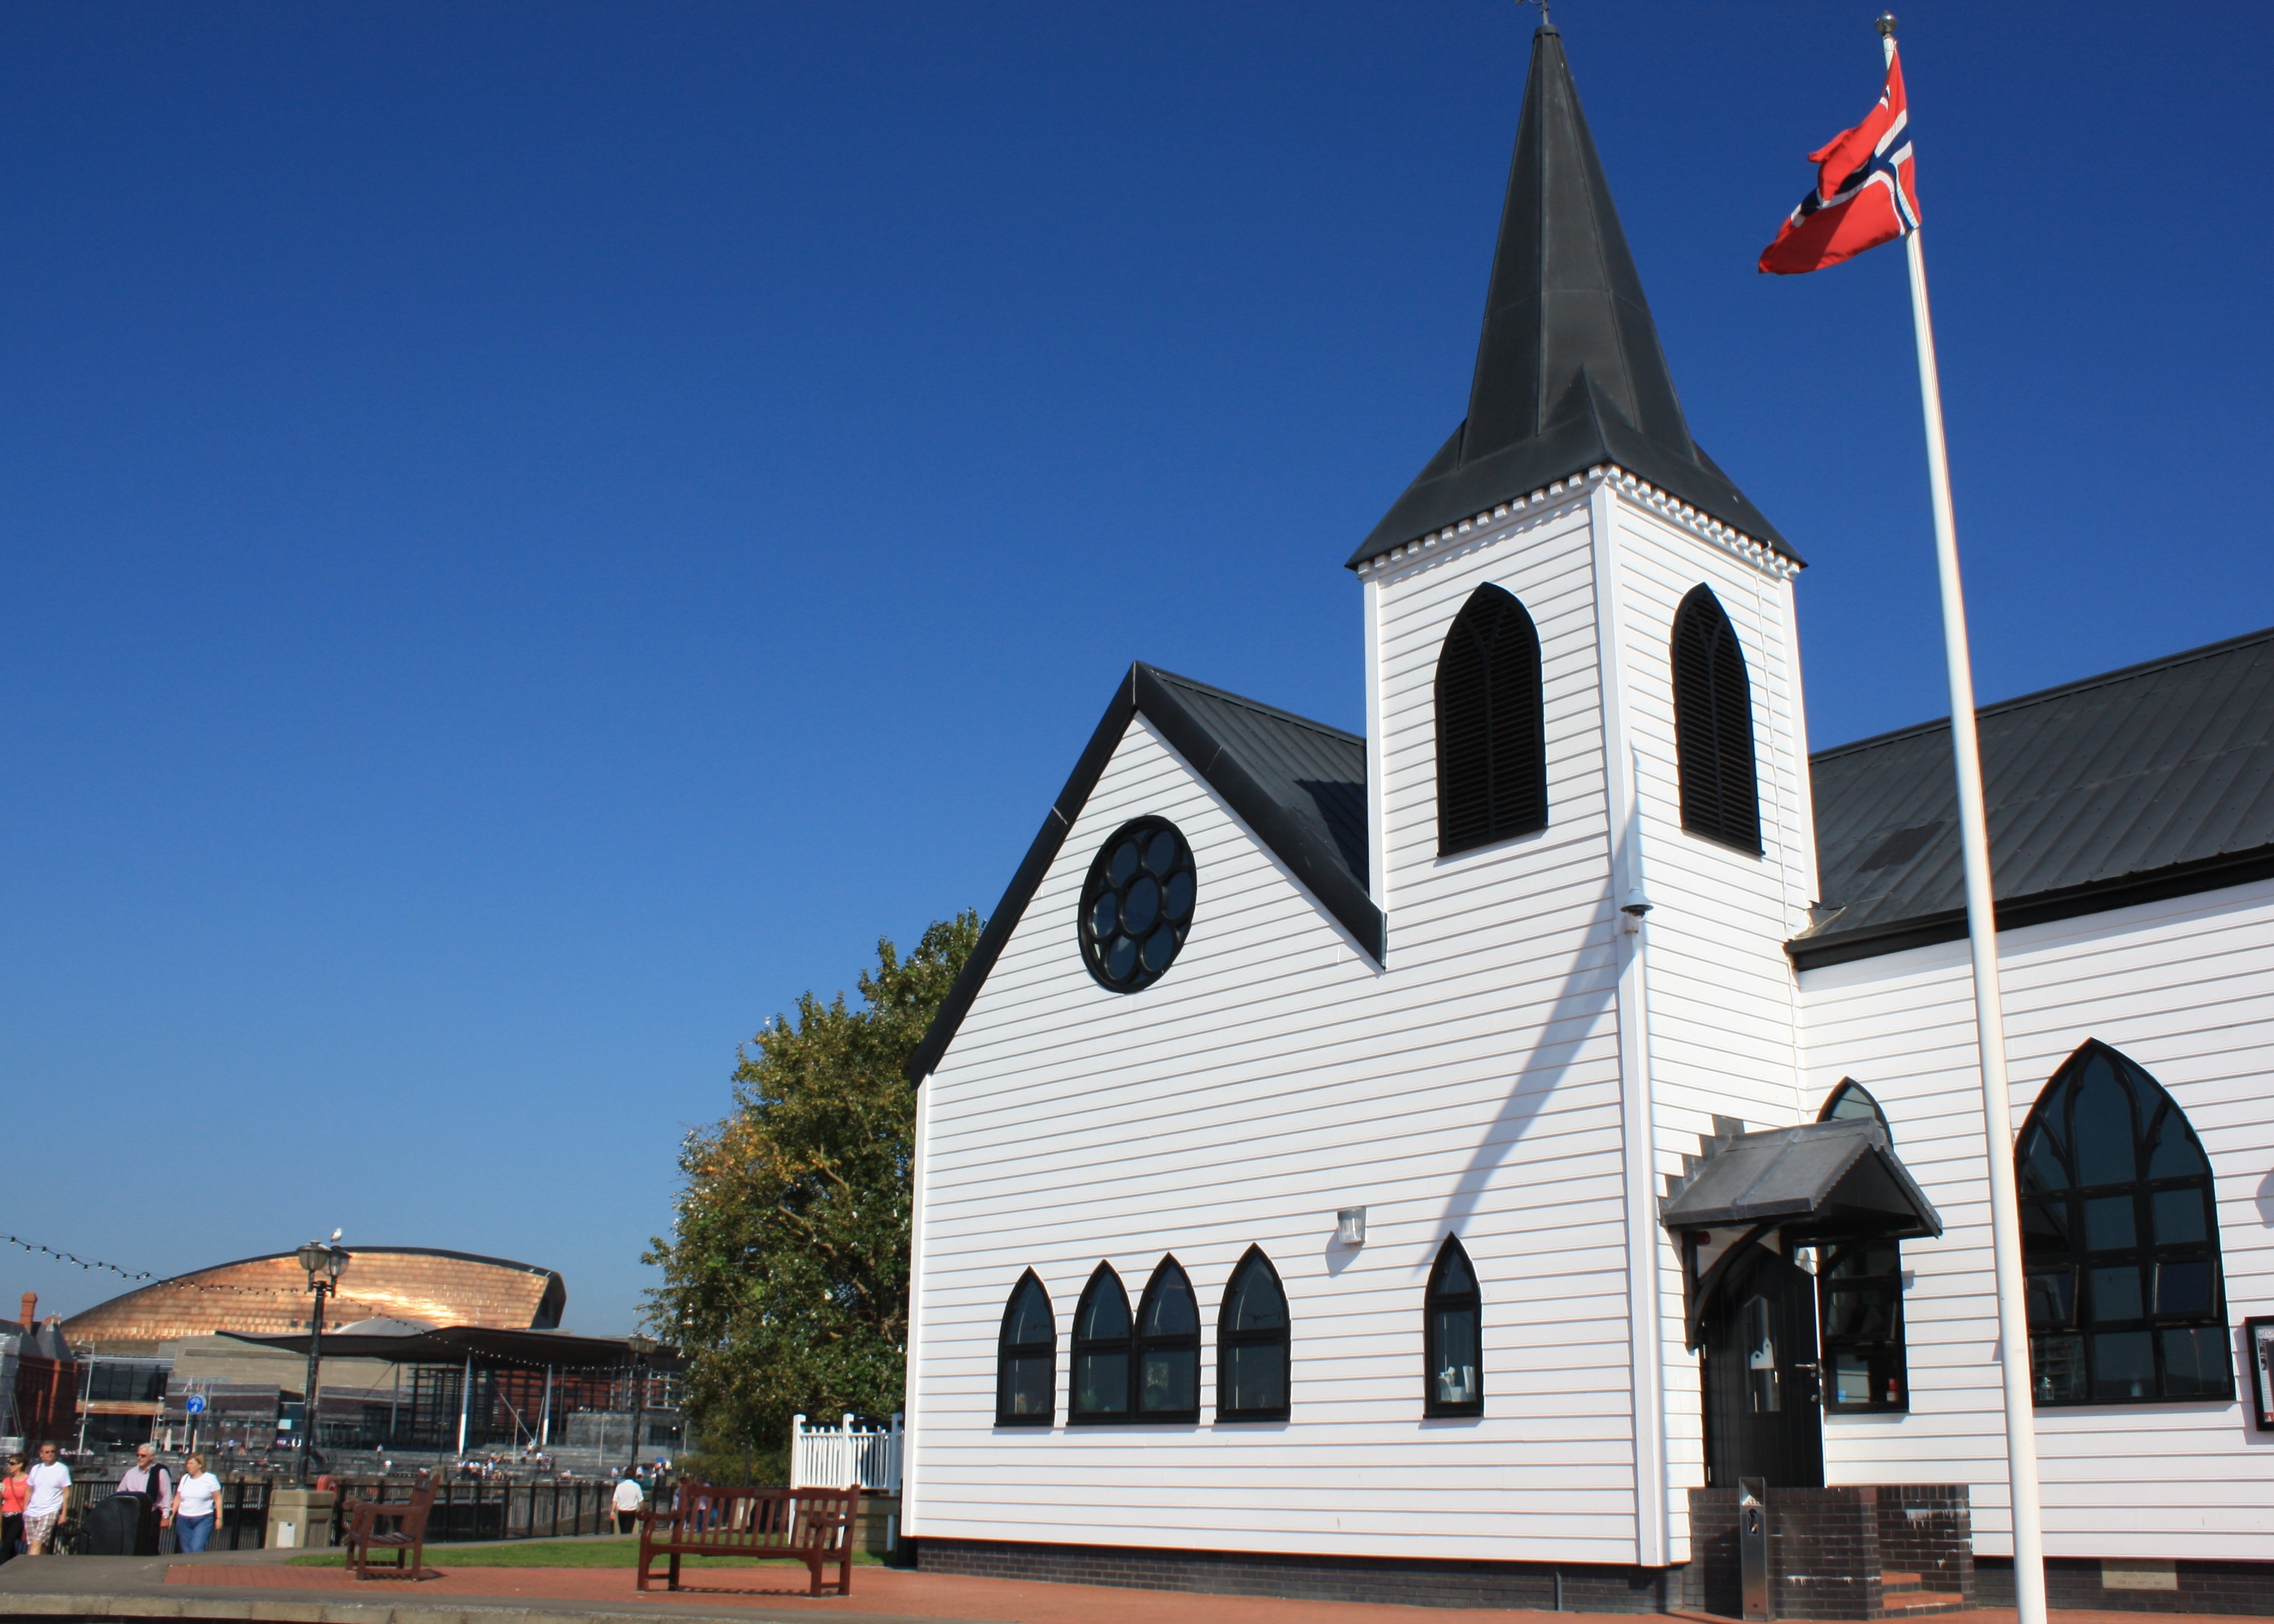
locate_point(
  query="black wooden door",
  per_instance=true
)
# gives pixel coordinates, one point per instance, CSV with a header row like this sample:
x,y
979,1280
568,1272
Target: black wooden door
x,y
1763,1414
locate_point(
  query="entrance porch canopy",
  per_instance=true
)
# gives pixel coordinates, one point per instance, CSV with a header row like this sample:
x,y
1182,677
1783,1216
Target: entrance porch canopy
x,y
1839,1180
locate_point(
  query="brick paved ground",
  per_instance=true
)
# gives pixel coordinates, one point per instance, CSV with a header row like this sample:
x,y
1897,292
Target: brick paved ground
x,y
894,1592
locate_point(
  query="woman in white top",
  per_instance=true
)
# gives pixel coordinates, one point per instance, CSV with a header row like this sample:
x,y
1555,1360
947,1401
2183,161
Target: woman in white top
x,y
197,1503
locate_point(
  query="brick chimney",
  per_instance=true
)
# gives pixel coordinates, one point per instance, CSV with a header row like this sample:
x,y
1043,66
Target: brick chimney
x,y
31,1316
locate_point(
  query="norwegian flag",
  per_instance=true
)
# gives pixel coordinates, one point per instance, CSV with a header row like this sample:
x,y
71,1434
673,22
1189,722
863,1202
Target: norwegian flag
x,y
1864,196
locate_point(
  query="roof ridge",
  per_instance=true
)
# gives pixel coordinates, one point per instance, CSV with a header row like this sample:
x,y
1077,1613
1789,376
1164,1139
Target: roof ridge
x,y
2167,662
1256,705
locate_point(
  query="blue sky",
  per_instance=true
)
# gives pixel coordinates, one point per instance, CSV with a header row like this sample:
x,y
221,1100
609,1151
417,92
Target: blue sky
x,y
529,534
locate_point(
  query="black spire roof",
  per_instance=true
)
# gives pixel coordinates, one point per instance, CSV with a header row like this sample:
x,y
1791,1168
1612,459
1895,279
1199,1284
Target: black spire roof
x,y
1569,374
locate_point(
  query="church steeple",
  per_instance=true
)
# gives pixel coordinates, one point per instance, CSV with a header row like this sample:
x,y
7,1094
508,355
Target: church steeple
x,y
1569,374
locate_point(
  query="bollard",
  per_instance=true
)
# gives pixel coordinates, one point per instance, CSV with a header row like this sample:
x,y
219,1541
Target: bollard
x,y
1753,1548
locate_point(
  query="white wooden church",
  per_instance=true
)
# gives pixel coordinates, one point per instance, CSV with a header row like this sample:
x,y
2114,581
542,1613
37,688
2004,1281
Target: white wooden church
x,y
1440,1165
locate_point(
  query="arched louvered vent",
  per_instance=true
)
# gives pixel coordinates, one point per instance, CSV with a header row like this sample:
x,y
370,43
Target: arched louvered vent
x,y
1492,752
1713,727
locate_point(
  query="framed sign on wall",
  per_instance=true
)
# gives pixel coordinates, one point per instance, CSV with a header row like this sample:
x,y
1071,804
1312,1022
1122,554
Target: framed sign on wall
x,y
2258,1344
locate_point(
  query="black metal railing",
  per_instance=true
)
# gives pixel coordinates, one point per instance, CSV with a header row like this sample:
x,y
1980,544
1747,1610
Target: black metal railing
x,y
465,1509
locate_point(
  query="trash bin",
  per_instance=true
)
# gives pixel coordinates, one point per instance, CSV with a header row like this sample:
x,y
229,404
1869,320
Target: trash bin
x,y
300,1517
123,1525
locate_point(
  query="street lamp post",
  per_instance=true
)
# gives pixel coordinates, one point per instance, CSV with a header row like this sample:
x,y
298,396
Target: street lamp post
x,y
641,1347
322,1264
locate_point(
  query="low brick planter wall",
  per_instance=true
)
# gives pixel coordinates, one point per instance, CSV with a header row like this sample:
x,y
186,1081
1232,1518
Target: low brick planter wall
x,y
1830,1550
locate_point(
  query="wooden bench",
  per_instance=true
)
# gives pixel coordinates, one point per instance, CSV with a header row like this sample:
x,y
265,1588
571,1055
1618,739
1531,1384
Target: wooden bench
x,y
814,1525
407,1536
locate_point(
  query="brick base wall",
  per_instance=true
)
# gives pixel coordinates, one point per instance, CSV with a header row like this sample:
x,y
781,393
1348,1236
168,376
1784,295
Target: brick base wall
x,y
1829,1548
1581,1587
2231,1587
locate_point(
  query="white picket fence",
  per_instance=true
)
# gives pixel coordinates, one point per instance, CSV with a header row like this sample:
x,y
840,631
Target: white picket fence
x,y
831,1458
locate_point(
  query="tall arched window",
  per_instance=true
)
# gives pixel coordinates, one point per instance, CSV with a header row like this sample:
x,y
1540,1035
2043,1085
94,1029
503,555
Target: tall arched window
x,y
2121,1240
1859,1294
1713,726
1168,1347
1027,1358
1103,1350
1492,750
1251,1344
1454,1334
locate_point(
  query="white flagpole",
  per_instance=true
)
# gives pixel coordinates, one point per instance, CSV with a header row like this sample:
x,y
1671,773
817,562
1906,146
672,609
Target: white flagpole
x,y
1989,1015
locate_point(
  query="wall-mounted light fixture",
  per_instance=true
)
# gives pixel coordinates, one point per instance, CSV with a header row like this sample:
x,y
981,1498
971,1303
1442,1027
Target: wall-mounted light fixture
x,y
1350,1226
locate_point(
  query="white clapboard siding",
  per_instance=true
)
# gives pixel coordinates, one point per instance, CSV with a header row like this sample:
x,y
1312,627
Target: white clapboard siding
x,y
1274,1075
1722,998
1471,1086
2186,988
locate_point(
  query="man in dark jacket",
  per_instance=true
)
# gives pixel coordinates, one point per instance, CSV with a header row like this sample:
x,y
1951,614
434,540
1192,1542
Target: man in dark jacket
x,y
150,1480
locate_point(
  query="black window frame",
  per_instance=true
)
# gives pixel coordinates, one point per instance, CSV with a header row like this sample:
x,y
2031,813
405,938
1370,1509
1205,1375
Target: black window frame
x,y
1103,1276
1147,1344
1491,722
1437,1300
1097,951
1228,1338
1854,1276
2067,1273
1006,1352
1716,758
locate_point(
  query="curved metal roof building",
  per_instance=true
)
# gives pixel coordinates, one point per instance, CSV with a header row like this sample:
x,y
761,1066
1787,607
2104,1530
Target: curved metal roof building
x,y
268,1296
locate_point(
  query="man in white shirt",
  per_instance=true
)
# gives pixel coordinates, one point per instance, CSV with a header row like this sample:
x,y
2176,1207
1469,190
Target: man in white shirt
x,y
51,1482
628,1502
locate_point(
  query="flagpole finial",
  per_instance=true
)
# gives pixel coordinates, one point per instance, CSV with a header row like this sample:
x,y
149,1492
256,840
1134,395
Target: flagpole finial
x,y
1887,24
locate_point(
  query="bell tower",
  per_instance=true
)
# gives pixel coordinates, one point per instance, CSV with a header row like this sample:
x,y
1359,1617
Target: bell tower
x,y
1587,772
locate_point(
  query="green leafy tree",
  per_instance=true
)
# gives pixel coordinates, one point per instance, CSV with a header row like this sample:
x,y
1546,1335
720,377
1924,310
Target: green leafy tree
x,y
785,1275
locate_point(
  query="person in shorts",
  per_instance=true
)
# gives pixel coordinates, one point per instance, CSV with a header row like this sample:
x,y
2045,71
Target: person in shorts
x,y
628,1502
51,1482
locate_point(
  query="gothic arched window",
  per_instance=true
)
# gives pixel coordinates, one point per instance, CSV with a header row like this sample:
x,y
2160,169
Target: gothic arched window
x,y
2120,1238
1168,1347
1850,1101
1027,1358
1859,1289
1492,747
1713,726
1453,1334
1251,1344
1103,1350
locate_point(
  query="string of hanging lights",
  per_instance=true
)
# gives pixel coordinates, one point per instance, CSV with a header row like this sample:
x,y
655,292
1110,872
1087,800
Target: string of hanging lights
x,y
95,1264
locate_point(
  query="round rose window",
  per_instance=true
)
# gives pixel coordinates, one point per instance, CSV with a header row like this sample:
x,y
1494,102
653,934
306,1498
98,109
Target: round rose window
x,y
1138,905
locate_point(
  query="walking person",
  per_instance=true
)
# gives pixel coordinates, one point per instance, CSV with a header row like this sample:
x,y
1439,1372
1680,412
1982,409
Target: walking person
x,y
154,1485
197,1506
51,1482
15,1493
628,1502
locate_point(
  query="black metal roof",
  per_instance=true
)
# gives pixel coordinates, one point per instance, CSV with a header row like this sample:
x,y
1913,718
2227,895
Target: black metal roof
x,y
2153,781
451,1344
1820,1175
1570,372
1299,784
